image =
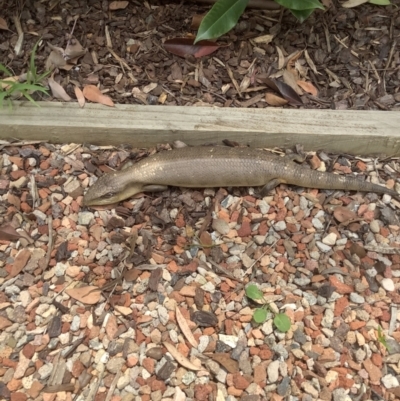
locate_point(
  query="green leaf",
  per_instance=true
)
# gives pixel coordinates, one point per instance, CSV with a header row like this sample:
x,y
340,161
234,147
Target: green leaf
x,y
222,17
302,15
28,96
260,315
32,65
253,292
382,338
380,2
282,322
30,87
5,70
300,4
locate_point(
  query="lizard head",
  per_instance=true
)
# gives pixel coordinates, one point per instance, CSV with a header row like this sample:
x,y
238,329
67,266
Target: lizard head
x,y
108,189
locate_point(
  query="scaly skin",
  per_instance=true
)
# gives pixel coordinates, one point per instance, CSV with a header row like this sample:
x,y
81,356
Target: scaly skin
x,y
206,167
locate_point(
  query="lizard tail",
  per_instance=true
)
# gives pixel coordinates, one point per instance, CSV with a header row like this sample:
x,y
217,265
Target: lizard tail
x,y
322,180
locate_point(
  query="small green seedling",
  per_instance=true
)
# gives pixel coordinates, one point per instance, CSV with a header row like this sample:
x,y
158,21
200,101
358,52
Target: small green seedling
x,y
281,320
382,338
10,89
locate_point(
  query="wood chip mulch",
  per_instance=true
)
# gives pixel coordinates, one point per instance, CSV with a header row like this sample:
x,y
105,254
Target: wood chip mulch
x,y
146,300
345,58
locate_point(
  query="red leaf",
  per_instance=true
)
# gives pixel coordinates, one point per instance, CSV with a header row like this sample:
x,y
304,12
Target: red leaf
x,y
94,94
3,24
308,87
9,233
184,46
285,90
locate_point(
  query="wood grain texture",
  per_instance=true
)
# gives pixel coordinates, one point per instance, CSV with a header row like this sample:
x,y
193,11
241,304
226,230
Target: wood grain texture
x,y
354,132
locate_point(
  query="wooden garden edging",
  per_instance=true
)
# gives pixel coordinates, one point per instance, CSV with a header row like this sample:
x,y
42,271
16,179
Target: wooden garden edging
x,y
353,132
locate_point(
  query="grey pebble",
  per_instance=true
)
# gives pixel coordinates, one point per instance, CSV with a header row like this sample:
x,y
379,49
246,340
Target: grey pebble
x,y
244,363
284,386
213,367
303,203
45,371
95,344
322,247
302,281
281,350
393,346
76,322
116,250
84,218
203,343
72,186
299,337
340,394
220,226
280,225
115,364
311,299
317,224
356,298
12,290
264,206
188,377
59,269
271,239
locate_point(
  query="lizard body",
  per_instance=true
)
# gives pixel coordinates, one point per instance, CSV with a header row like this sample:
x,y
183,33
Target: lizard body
x,y
206,167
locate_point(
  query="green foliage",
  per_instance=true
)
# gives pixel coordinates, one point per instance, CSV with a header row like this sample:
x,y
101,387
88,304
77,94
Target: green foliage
x,y
260,315
380,2
224,14
382,338
300,4
253,292
222,17
282,322
12,89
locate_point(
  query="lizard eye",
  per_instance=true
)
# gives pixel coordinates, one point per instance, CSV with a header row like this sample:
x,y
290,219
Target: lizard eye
x,y
109,195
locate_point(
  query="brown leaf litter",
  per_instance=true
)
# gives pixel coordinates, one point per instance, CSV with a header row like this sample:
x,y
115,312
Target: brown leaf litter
x,y
342,58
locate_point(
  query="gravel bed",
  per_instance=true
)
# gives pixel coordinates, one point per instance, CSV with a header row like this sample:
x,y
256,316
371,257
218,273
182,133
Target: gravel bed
x,y
146,300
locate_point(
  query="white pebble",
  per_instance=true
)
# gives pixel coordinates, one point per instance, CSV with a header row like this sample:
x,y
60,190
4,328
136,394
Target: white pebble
x,y
388,284
389,381
330,239
273,372
374,226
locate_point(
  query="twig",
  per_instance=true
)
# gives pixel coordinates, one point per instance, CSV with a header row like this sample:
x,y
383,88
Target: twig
x,y
113,385
50,244
393,319
252,265
223,271
22,143
34,191
72,31
18,45
258,4
382,249
96,385
389,60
